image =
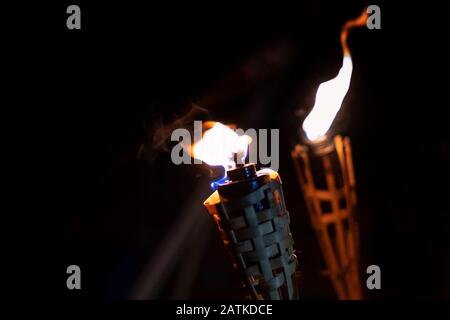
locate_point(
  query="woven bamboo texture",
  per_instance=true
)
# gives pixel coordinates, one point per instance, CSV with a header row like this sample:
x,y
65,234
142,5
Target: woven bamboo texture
x,y
334,224
259,242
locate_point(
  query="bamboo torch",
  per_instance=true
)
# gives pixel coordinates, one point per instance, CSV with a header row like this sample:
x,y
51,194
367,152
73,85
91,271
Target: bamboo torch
x,y
325,171
249,211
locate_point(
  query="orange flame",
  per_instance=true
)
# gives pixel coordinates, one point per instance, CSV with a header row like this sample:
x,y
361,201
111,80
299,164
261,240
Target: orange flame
x,y
331,93
354,23
220,146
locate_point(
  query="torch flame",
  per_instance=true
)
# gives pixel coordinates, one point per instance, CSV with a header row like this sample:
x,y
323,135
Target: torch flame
x,y
220,145
331,93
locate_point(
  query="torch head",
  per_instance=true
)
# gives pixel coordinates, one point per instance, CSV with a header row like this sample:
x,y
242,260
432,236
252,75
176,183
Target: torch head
x,y
251,216
322,146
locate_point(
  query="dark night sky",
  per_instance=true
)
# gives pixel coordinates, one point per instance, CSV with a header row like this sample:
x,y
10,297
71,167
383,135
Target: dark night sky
x,y
91,98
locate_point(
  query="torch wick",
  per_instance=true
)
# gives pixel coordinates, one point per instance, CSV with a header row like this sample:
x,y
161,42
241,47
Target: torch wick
x,y
239,162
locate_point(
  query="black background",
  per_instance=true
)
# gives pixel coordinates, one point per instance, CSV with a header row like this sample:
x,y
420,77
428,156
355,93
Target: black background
x,y
88,99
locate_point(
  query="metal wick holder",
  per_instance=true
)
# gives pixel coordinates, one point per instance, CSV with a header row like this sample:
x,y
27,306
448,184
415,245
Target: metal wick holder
x,y
322,146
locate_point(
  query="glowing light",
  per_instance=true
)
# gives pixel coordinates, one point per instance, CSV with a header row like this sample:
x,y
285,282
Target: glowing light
x,y
221,146
215,184
331,93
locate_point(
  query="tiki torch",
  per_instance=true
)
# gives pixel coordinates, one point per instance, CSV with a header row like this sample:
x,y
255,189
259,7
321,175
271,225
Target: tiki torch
x,y
250,214
325,171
